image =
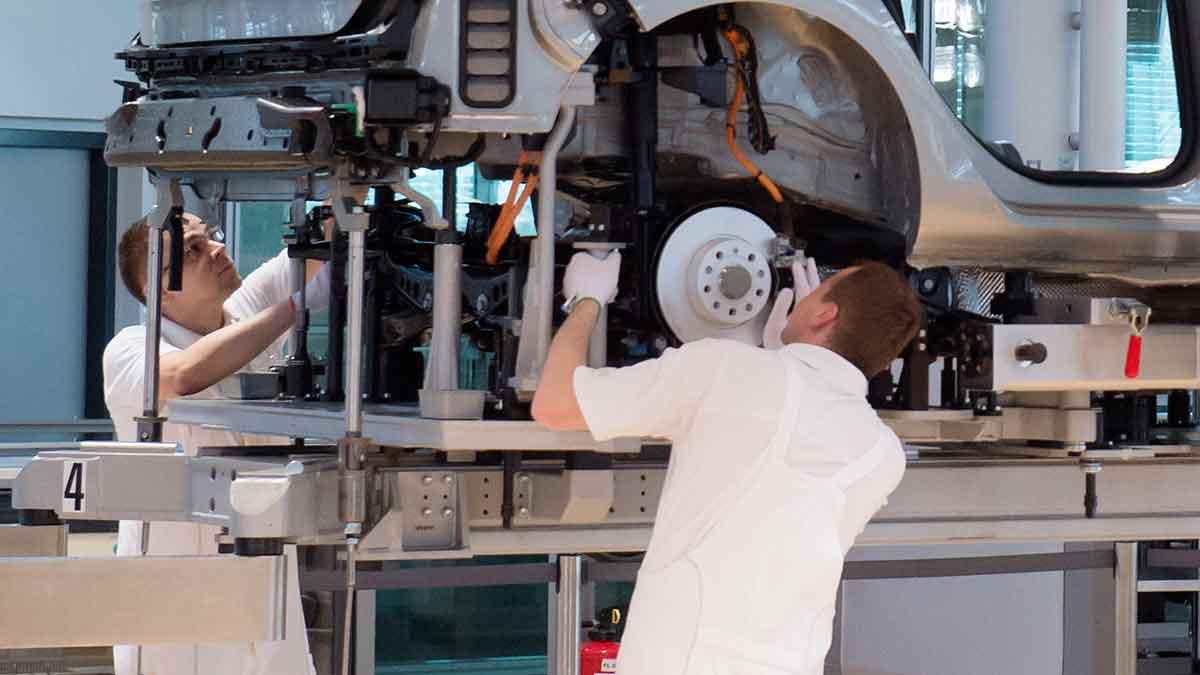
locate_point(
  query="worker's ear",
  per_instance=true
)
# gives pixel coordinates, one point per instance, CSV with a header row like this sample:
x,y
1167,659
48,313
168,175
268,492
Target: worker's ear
x,y
825,316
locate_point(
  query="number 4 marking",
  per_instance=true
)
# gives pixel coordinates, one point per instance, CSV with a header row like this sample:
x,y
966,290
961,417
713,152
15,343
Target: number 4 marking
x,y
73,478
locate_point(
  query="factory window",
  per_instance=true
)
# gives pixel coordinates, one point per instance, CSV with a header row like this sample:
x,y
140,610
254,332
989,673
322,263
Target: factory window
x,y
1024,78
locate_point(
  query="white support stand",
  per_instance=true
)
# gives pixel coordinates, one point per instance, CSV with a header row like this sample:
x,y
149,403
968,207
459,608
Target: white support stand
x,y
1031,74
1103,39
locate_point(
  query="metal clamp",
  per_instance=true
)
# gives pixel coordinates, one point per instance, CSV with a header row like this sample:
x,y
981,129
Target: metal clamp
x,y
1138,316
1136,313
782,252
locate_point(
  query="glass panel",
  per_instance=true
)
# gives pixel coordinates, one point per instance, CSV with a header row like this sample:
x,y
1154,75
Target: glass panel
x,y
1152,133
500,629
1011,71
174,21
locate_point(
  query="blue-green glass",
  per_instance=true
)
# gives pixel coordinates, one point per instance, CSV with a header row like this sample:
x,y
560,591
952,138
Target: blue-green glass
x,y
498,629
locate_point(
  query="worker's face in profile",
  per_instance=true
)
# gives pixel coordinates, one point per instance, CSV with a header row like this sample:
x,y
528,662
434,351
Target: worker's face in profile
x,y
813,318
209,275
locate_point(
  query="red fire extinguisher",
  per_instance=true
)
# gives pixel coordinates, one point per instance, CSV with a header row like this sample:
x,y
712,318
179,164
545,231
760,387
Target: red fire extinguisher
x,y
598,656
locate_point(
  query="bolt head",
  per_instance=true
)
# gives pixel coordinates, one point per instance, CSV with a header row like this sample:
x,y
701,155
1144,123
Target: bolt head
x,y
524,478
447,512
523,512
426,480
599,9
427,512
448,480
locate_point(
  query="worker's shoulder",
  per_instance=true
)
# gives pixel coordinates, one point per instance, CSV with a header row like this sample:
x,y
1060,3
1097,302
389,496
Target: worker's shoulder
x,y
130,337
122,361
718,348
734,363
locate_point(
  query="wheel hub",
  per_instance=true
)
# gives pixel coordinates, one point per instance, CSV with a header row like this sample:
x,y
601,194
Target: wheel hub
x,y
714,276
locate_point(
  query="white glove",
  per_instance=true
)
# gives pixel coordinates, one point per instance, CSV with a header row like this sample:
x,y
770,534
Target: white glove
x,y
806,280
591,277
316,291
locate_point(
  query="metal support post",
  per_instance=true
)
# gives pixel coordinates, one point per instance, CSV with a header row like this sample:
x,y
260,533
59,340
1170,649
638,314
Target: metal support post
x,y
928,31
352,218
440,397
539,287
447,296
1103,38
296,280
441,375
568,621
1125,608
168,212
298,374
1038,126
355,290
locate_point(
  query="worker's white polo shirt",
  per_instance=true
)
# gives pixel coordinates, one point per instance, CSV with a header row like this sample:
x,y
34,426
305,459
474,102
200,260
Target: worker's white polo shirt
x,y
719,403
125,360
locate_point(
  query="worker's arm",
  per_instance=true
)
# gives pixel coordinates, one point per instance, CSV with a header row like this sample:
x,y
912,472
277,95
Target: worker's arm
x,y
221,353
555,404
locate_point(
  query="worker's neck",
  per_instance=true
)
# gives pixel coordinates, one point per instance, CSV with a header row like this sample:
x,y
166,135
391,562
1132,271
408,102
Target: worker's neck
x,y
200,321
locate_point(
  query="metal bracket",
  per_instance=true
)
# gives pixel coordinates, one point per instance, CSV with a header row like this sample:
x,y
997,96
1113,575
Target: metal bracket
x,y
351,216
1136,313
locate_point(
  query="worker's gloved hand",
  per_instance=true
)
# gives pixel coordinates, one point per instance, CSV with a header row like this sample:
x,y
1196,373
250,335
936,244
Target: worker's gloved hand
x,y
316,291
806,280
591,277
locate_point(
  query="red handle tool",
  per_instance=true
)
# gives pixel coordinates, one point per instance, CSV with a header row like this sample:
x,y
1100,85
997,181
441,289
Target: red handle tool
x,y
1133,357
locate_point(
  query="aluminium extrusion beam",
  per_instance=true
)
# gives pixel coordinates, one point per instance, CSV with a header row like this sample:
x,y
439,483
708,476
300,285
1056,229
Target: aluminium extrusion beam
x,y
402,426
395,426
562,511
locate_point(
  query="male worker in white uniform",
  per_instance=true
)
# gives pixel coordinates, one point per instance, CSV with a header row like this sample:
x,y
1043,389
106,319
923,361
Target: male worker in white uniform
x,y
777,464
214,327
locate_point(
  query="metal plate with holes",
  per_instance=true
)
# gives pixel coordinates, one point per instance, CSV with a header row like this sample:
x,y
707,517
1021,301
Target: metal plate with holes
x,y
431,509
713,277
